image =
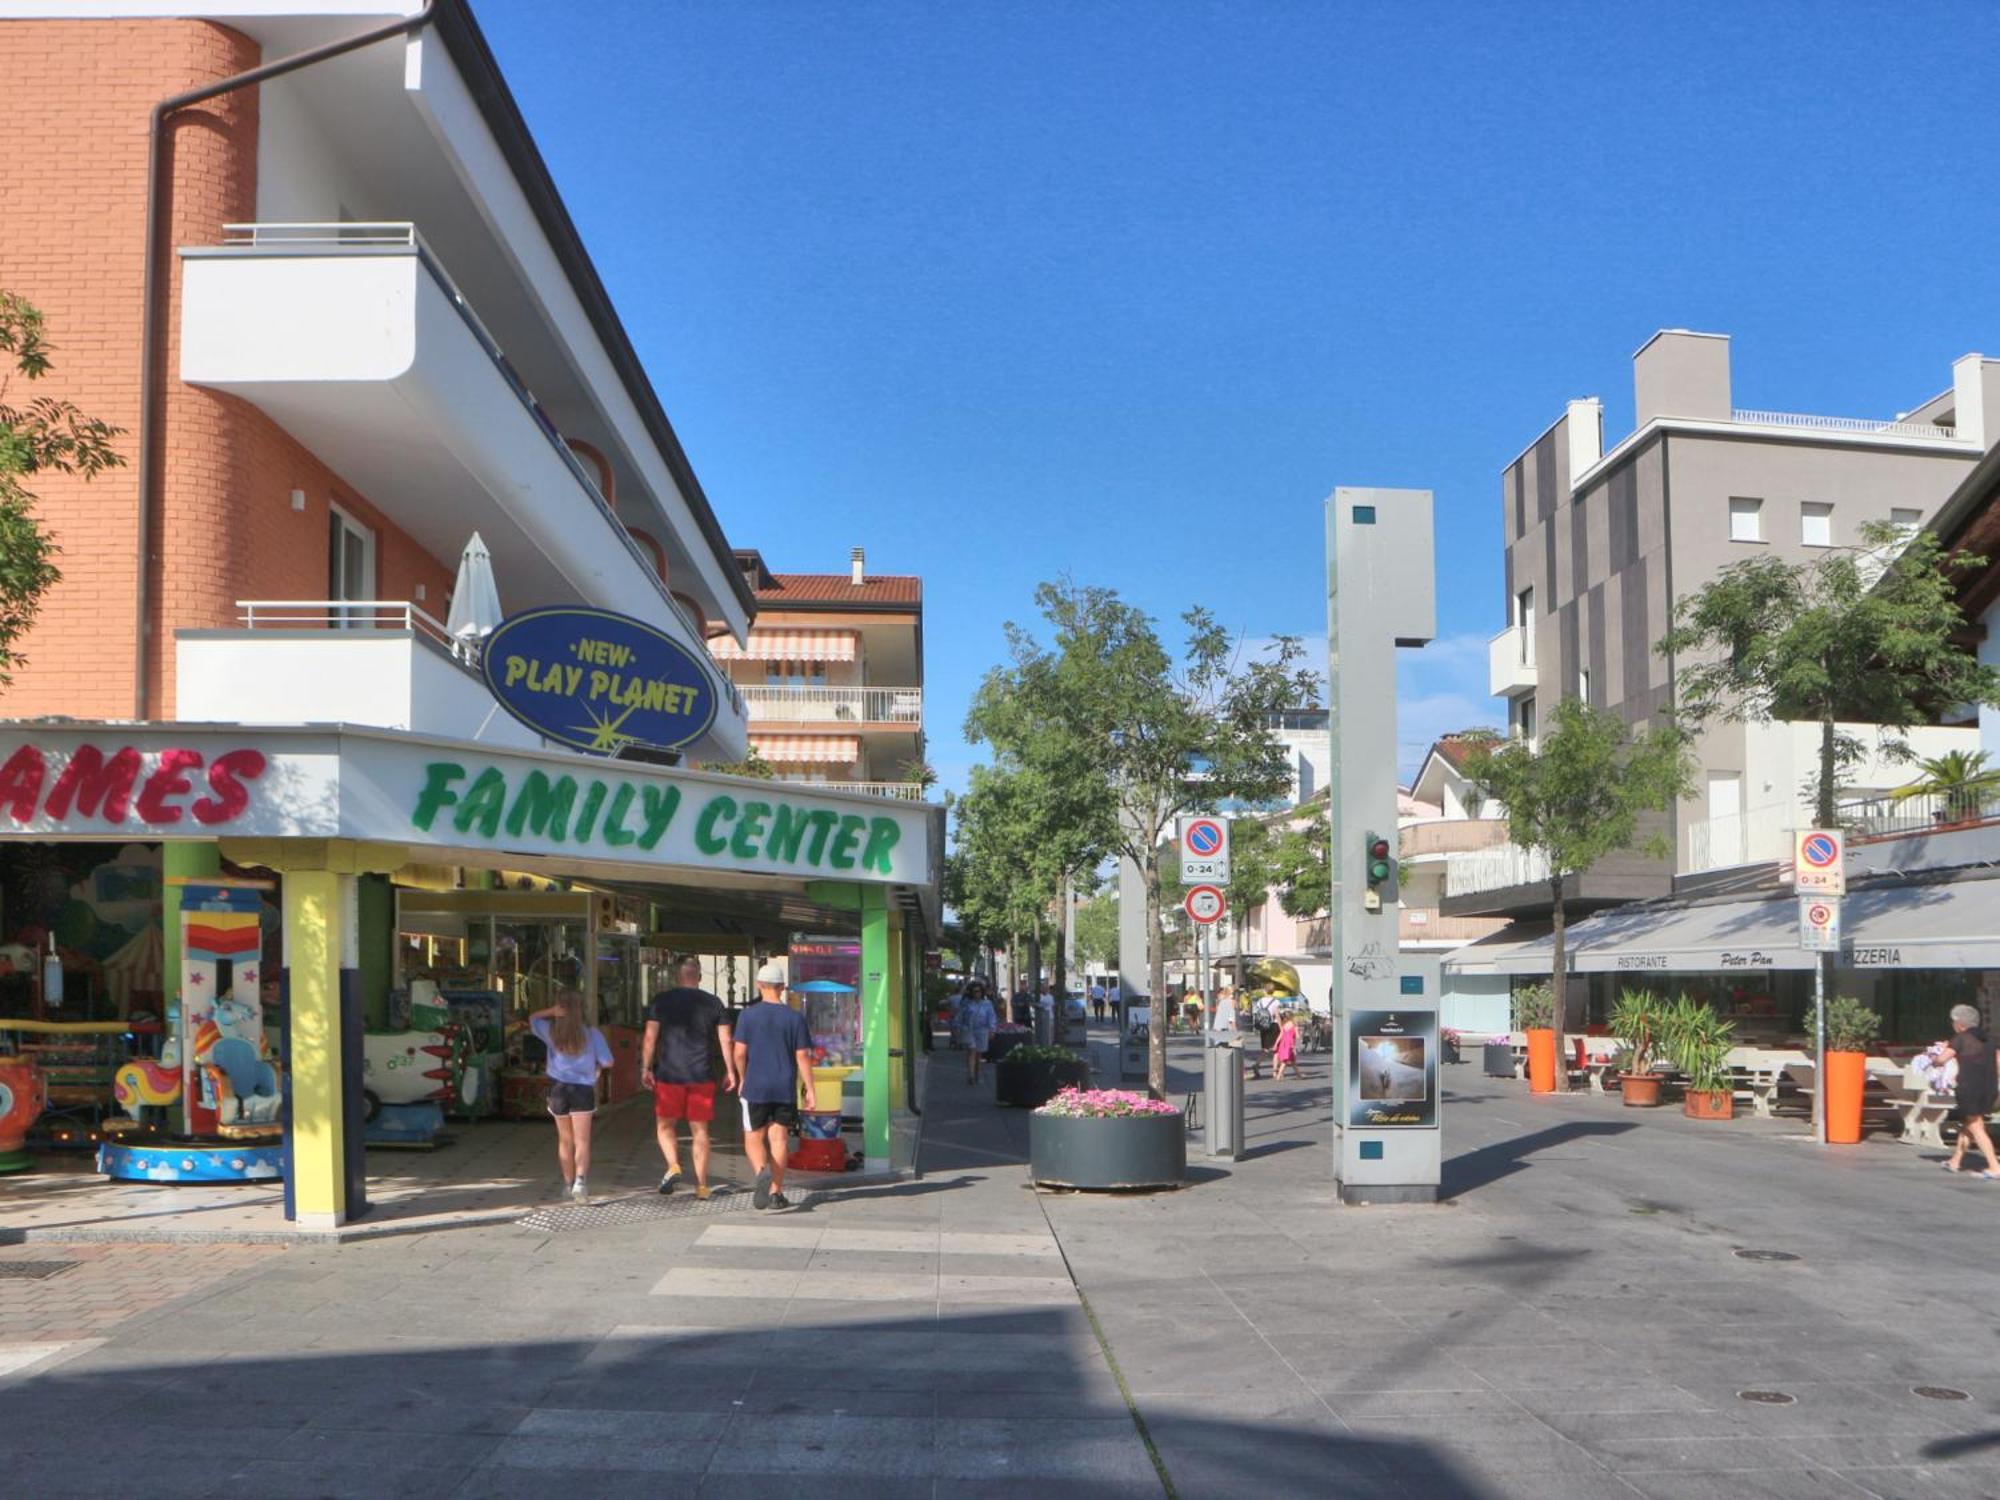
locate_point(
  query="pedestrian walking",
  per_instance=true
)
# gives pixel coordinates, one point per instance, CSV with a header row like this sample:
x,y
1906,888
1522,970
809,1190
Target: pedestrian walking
x,y
977,1018
684,1027
577,1054
1977,1086
773,1051
1285,1054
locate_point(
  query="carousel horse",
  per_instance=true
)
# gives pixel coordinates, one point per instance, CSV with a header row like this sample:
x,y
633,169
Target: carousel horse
x,y
235,1064
147,1082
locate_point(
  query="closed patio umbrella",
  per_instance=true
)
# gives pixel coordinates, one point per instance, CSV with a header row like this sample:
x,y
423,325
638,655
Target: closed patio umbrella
x,y
475,599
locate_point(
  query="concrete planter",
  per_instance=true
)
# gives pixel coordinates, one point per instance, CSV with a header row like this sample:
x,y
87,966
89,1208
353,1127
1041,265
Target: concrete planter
x,y
1127,1151
1029,1085
1006,1041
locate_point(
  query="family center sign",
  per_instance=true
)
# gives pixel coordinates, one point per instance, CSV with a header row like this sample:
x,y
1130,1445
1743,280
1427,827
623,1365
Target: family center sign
x,y
381,786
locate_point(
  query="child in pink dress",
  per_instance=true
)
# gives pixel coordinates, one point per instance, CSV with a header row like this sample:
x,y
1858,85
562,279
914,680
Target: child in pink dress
x,y
1285,1054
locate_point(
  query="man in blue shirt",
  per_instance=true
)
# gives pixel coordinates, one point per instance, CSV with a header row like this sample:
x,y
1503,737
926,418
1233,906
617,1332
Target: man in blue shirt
x,y
773,1049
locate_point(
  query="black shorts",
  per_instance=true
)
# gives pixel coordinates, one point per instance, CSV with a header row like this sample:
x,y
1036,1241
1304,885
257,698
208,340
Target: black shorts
x,y
572,1099
758,1115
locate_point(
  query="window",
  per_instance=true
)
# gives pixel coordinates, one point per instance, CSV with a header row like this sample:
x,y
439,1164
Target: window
x,y
1524,621
795,674
1746,519
1583,683
1524,717
1815,525
350,567
1906,518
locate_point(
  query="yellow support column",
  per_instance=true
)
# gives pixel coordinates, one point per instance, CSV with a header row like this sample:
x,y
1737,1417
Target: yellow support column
x,y
313,906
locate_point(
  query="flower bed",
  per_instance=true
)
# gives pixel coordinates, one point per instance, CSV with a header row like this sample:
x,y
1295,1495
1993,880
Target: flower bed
x,y
1106,1139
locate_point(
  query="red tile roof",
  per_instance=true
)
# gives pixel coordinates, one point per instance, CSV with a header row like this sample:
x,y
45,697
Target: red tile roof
x,y
822,589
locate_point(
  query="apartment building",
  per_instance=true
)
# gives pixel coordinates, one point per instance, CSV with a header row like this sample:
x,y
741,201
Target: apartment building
x,y
1601,542
832,676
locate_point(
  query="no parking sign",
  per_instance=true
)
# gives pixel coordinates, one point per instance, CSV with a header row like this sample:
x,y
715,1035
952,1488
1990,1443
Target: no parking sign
x,y
1819,862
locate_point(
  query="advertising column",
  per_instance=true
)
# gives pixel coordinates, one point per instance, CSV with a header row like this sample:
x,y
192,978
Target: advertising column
x,y
1381,594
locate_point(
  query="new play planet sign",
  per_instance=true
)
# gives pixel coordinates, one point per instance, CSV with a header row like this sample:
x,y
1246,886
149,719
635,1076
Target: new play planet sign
x,y
598,680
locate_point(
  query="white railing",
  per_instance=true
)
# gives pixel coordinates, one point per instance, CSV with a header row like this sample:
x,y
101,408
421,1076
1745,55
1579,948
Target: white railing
x,y
276,236
835,705
1755,836
900,791
340,614
1495,870
1863,425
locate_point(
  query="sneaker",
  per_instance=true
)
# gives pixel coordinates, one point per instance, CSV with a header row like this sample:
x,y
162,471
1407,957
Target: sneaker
x,y
779,1200
669,1182
701,1191
760,1197
579,1192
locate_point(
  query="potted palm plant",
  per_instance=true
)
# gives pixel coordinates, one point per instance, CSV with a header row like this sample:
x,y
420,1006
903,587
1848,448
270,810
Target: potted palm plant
x,y
1698,1040
1851,1028
1635,1021
1534,1015
1960,780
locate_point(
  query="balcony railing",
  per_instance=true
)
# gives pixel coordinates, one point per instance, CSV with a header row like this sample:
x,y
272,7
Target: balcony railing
x,y
900,791
1756,836
1890,817
1860,426
835,705
1496,869
345,614
1450,836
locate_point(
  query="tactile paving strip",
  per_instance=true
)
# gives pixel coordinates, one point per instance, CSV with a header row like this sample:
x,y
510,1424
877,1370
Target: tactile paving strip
x,y
646,1208
32,1270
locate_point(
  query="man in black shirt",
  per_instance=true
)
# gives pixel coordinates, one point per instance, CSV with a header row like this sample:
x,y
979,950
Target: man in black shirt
x,y
684,1026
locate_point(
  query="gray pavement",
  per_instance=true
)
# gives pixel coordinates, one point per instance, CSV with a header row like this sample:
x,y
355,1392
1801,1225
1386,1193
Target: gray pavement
x,y
1575,1321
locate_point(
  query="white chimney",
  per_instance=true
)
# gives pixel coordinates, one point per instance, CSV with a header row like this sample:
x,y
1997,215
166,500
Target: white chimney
x,y
857,573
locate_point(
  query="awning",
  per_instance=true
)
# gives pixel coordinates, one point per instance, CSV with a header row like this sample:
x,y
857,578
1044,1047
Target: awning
x,y
786,645
807,749
1502,953
1949,924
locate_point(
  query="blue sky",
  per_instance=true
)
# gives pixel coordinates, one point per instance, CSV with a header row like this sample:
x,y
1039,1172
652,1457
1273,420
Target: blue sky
x,y
1008,291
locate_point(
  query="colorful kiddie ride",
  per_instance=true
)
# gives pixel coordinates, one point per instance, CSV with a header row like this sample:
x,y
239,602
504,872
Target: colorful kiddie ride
x,y
215,1068
410,1078
22,1096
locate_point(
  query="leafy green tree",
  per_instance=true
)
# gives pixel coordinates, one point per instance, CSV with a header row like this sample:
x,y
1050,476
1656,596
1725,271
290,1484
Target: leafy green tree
x,y
1302,862
48,434
1142,738
1577,796
1097,930
1857,635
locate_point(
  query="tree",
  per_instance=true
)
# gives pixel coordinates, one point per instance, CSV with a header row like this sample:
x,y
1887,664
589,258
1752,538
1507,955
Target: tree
x,y
1858,635
46,435
1577,797
1097,930
1142,738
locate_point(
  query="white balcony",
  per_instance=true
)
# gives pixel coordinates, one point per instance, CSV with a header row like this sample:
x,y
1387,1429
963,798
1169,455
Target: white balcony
x,y
894,708
355,341
1496,869
1448,838
896,791
1510,663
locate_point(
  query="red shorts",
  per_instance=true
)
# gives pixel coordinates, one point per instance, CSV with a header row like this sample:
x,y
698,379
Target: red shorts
x,y
684,1101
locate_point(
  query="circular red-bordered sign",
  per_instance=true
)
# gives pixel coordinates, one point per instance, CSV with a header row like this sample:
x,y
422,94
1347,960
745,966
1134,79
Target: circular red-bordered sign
x,y
1205,904
1820,851
1203,837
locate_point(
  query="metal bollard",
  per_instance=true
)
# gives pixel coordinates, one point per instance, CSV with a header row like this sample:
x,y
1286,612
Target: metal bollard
x,y
1223,1080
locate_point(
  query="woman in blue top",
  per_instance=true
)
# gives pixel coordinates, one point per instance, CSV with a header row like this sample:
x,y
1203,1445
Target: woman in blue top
x,y
577,1054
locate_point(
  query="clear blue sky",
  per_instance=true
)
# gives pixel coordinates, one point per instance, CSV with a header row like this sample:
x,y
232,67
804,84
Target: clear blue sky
x,y
1123,290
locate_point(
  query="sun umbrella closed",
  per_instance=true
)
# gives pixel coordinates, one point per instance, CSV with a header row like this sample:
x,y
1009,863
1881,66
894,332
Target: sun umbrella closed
x,y
475,599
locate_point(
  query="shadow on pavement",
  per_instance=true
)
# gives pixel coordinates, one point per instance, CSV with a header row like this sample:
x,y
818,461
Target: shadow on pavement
x,y
1489,1164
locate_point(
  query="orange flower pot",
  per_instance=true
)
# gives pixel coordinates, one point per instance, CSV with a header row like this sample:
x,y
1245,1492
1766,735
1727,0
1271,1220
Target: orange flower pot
x,y
1846,1081
1718,1105
1542,1060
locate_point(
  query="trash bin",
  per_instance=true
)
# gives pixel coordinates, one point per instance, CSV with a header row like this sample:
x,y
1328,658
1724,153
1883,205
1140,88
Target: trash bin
x,y
1499,1060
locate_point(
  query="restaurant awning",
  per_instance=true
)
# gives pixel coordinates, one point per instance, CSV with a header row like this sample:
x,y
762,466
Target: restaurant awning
x,y
786,645
1506,952
1945,924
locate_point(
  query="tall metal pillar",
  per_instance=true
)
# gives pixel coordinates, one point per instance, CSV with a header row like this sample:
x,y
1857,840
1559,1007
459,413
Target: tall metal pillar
x,y
1381,594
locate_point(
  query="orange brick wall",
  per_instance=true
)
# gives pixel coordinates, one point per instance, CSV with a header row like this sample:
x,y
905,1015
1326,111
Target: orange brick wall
x,y
74,115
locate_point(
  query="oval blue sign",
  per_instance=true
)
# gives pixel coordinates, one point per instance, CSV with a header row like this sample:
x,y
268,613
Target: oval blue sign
x,y
598,680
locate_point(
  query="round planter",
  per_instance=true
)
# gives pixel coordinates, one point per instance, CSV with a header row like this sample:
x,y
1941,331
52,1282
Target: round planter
x,y
1640,1090
1713,1104
1846,1081
1542,1060
1029,1085
1128,1151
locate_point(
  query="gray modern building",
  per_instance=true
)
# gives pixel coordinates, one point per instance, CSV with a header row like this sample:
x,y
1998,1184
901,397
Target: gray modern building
x,y
1600,543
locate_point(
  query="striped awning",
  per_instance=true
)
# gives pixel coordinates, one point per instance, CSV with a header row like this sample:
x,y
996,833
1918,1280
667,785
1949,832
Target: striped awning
x,y
807,749
786,645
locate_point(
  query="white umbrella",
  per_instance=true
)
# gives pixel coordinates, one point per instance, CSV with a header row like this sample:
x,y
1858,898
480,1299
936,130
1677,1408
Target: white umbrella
x,y
475,598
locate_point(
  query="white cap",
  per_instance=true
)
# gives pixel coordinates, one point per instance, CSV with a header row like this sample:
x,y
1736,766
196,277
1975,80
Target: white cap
x,y
772,973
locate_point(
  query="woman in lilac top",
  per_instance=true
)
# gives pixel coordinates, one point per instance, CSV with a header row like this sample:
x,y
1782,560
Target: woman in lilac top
x,y
577,1054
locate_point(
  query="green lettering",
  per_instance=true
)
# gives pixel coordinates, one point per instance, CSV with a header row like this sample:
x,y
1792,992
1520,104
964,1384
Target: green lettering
x,y
543,807
437,792
788,827
484,801
705,837
592,801
748,828
841,857
658,807
882,836
615,831
822,824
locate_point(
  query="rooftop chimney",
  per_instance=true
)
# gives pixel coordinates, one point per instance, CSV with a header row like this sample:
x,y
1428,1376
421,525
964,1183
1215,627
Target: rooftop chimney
x,y
857,571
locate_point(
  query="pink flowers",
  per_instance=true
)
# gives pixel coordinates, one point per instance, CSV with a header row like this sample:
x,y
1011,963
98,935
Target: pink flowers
x,y
1104,1104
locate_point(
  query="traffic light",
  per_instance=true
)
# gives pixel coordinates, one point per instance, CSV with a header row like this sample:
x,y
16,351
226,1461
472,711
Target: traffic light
x,y
1379,868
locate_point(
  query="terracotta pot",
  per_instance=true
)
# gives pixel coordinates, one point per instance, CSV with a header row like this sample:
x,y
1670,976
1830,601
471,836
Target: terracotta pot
x,y
1715,1104
1542,1060
1846,1081
1639,1090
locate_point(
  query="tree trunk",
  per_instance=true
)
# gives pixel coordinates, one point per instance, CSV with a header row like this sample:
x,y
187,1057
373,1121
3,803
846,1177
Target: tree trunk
x,y
1826,773
1034,970
1559,981
1061,965
1156,981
